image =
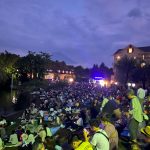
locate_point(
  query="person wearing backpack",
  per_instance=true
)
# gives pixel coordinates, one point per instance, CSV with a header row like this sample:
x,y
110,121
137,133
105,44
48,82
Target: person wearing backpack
x,y
99,140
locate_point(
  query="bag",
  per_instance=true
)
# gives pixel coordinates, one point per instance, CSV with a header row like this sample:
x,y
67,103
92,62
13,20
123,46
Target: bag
x,y
145,117
104,135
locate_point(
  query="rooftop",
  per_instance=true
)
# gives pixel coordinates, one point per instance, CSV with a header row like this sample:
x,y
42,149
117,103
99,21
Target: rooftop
x,y
144,49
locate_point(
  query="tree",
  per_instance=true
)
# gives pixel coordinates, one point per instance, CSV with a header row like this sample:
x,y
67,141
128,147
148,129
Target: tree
x,y
141,74
101,71
82,74
7,66
34,65
124,69
58,65
105,71
95,72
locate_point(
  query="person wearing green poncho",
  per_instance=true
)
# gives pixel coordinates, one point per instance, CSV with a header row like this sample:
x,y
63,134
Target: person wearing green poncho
x,y
135,115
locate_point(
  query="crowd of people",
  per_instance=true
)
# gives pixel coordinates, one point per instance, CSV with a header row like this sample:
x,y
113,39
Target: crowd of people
x,y
82,116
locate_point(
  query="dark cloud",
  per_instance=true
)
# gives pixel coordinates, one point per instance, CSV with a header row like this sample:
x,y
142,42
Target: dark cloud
x,y
136,12
81,32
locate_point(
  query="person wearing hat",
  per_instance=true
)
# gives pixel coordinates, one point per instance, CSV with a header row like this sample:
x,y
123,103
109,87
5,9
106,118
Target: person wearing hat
x,y
99,140
111,131
104,102
141,95
42,134
1,144
112,108
38,146
135,115
146,132
79,144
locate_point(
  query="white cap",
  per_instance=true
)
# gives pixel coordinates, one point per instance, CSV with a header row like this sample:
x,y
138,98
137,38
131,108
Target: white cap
x,y
51,109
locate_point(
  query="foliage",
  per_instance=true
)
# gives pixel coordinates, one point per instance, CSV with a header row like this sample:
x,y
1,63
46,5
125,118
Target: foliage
x,y
124,69
82,74
7,66
130,70
33,65
23,101
101,71
141,74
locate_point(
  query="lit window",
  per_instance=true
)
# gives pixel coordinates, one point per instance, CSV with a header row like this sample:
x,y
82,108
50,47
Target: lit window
x,y
118,57
143,64
143,57
130,50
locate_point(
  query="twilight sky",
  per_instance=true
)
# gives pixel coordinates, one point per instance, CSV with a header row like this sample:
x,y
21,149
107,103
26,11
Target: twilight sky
x,y
80,32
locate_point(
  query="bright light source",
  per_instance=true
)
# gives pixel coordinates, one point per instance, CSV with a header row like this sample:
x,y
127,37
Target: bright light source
x,y
129,84
143,64
116,83
71,80
102,82
130,50
14,100
94,81
133,84
118,57
111,81
98,78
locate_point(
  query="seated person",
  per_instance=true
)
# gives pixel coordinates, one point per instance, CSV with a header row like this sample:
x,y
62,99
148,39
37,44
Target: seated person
x,y
112,108
48,130
38,146
49,143
146,133
42,134
121,123
31,138
111,132
13,139
99,140
3,122
79,120
80,144
24,136
19,132
1,144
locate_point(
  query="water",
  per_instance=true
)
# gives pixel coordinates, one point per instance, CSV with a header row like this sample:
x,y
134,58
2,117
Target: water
x,y
6,105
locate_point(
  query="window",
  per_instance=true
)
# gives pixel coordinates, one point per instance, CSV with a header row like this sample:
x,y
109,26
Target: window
x,y
130,50
143,57
118,57
143,64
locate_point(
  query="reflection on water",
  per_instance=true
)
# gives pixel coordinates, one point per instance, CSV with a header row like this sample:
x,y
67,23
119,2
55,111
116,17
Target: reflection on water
x,y
6,100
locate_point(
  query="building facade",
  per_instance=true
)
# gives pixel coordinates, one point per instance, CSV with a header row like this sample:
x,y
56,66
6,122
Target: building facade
x,y
60,75
140,54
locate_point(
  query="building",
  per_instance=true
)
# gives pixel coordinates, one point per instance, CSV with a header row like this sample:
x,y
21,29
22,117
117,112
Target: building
x,y
140,54
60,75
